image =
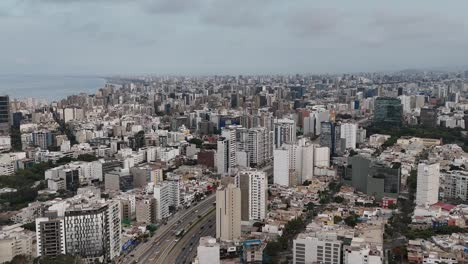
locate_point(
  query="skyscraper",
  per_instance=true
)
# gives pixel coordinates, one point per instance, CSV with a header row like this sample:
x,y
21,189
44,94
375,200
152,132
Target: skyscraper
x,y
254,194
349,133
4,115
226,150
330,137
388,112
285,132
427,190
228,212
282,166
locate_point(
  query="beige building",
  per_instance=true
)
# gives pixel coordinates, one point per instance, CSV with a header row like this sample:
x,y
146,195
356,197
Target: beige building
x,y
146,210
14,240
228,213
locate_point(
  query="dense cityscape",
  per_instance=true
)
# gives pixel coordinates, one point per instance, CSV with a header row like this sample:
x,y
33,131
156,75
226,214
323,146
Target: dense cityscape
x,y
346,168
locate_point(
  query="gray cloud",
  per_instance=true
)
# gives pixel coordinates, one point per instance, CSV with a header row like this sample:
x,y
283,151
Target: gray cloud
x,y
387,27
238,13
170,6
313,22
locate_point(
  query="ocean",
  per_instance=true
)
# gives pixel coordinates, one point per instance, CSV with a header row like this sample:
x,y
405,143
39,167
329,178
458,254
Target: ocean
x,y
49,88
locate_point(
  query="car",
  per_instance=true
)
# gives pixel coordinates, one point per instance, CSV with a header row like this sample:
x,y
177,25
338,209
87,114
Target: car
x,y
193,235
190,248
196,211
191,243
210,226
183,248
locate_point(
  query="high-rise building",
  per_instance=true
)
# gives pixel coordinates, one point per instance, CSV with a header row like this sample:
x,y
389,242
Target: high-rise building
x,y
4,115
388,112
282,167
208,251
162,194
317,248
428,117
400,91
42,139
86,228
455,185
254,194
257,143
226,153
321,157
285,132
349,134
427,190
330,136
228,213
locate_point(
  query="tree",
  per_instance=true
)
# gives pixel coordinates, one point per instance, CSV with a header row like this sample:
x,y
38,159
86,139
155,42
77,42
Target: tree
x,y
338,199
306,183
30,226
337,219
87,157
196,141
351,220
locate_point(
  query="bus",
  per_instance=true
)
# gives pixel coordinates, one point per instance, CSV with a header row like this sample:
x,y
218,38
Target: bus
x,y
180,233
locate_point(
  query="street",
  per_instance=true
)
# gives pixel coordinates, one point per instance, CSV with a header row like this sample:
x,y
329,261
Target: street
x,y
186,249
158,246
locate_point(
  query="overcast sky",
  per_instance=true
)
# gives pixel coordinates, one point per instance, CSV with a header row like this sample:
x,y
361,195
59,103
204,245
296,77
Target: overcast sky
x,y
230,36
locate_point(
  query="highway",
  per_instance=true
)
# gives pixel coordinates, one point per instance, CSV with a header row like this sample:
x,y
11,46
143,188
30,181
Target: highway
x,y
186,249
157,247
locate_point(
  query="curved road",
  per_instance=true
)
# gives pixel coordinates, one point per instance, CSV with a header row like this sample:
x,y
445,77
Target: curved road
x,y
186,249
157,247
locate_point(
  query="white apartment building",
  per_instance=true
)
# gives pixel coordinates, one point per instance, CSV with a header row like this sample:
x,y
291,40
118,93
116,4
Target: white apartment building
x,y
208,251
427,190
14,240
226,152
162,194
281,166
362,254
455,185
89,228
349,133
254,194
257,143
317,248
321,157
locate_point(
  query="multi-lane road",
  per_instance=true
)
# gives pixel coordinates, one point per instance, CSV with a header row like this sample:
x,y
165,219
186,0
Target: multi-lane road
x,y
186,249
157,248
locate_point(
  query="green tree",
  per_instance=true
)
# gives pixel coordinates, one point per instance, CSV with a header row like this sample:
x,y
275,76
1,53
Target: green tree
x,y
338,199
30,226
337,219
351,220
196,141
87,157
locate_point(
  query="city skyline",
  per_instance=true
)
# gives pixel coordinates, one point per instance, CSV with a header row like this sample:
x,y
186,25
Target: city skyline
x,y
227,37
